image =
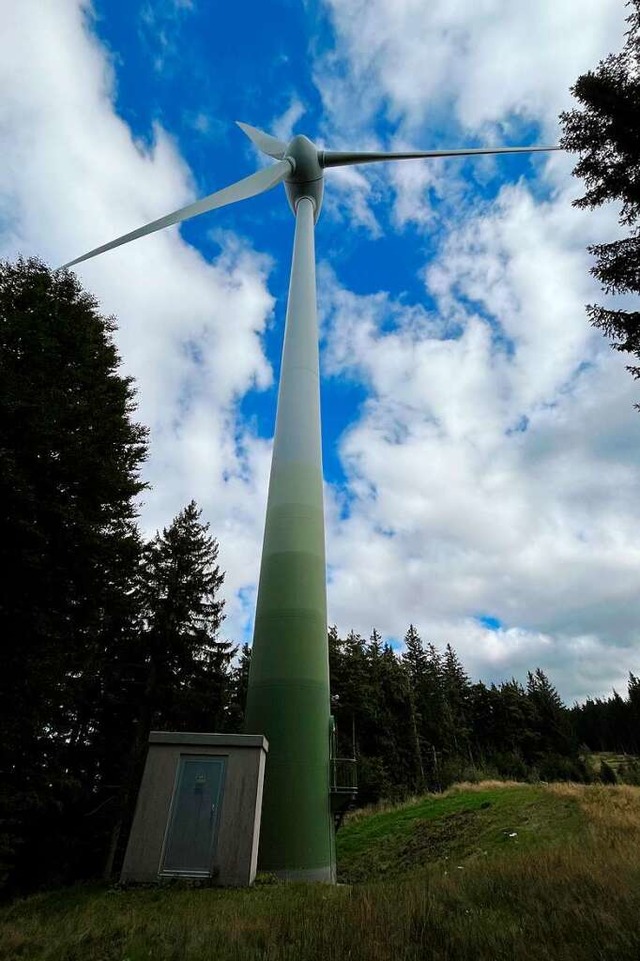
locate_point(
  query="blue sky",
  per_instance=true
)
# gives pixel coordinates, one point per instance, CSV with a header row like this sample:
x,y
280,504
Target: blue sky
x,y
480,443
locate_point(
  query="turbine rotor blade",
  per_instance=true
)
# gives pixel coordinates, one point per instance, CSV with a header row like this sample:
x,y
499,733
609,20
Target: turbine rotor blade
x,y
256,183
335,158
264,141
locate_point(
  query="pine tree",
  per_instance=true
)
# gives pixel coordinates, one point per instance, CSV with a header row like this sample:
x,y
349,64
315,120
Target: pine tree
x,y
457,694
357,697
186,676
605,131
413,656
342,712
239,686
180,584
431,708
550,719
396,742
617,720
415,661
514,724
70,457
376,645
633,700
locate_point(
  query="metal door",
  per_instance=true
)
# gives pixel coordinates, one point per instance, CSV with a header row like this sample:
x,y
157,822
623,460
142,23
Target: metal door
x,y
193,822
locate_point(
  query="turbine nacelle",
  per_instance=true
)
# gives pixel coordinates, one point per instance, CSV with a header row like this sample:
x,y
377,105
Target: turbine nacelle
x,y
306,178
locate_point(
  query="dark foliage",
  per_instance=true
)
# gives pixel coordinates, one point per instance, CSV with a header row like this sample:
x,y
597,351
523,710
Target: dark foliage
x,y
607,774
612,724
178,673
69,472
103,636
417,721
605,131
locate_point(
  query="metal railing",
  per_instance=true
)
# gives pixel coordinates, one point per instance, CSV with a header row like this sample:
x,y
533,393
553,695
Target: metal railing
x,y
343,775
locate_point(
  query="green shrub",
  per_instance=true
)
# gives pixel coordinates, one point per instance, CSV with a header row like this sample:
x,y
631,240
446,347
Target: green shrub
x,y
607,774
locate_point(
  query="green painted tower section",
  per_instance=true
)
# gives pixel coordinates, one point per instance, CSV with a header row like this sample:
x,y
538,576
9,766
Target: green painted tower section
x,y
288,696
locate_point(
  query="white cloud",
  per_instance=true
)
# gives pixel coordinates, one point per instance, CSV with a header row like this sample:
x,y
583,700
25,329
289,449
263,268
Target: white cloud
x,y
455,508
494,468
283,127
348,199
160,22
499,655
415,183
446,74
483,61
189,331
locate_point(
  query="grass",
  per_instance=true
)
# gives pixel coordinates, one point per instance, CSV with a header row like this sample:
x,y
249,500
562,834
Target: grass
x,y
455,829
560,880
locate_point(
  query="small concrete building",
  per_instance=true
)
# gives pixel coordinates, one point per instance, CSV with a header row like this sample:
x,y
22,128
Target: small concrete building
x,y
198,809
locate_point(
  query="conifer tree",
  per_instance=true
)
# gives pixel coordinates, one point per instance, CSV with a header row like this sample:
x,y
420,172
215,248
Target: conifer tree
x,y
179,592
239,686
431,708
396,743
414,661
376,645
549,720
413,656
70,457
186,681
605,131
633,698
457,692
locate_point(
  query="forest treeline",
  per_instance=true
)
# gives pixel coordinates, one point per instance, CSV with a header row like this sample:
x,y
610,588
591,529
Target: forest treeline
x,y
418,722
107,635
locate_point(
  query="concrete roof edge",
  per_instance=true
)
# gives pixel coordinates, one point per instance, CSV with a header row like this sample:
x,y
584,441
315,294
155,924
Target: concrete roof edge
x,y
205,739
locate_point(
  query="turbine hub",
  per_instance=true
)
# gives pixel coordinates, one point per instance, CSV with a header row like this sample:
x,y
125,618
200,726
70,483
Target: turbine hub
x,y
307,178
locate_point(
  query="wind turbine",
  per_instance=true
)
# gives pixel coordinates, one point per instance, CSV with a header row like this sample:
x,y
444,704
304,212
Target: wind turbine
x,y
288,695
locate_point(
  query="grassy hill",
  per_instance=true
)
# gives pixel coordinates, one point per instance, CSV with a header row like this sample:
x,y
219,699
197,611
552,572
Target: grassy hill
x,y
463,826
483,872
